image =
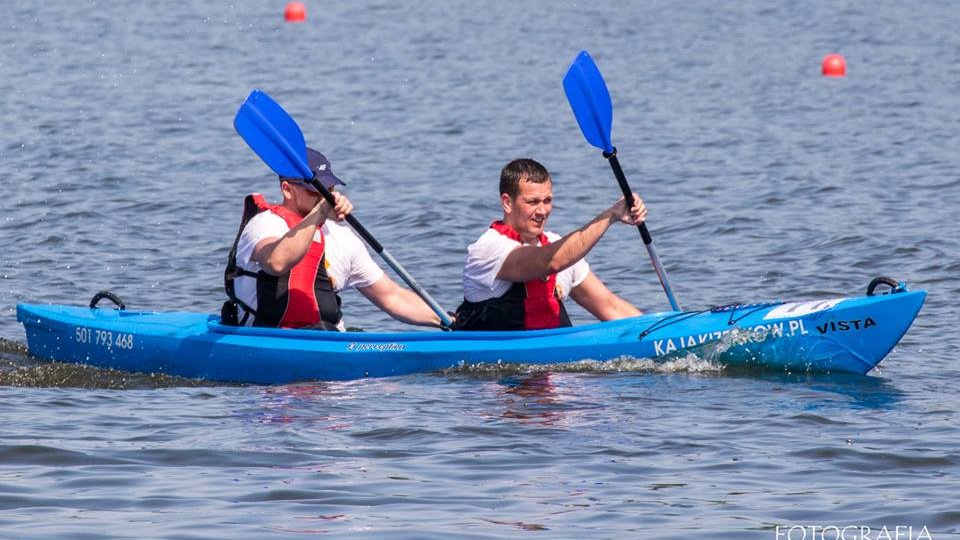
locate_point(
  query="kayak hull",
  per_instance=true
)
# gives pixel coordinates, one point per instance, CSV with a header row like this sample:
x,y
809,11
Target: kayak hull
x,y
838,335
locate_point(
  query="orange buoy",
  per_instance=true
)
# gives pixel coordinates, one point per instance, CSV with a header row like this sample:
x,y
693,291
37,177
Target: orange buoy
x,y
834,66
295,12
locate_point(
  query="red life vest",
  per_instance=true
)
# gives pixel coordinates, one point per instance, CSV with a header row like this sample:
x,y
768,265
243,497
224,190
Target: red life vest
x,y
302,298
534,305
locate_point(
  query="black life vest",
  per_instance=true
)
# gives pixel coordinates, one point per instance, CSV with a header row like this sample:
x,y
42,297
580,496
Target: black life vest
x,y
534,305
302,298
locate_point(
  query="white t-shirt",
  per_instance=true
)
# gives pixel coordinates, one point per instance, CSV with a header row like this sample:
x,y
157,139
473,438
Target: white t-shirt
x,y
348,262
486,256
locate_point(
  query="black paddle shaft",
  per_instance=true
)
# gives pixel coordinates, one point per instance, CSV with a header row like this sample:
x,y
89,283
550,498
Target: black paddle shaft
x,y
642,227
627,193
361,230
445,321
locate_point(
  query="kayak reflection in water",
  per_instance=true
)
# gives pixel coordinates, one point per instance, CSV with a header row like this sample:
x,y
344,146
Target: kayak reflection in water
x,y
517,274
290,260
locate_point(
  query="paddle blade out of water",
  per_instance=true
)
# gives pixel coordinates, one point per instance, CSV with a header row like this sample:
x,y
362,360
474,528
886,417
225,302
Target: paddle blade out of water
x,y
273,135
590,100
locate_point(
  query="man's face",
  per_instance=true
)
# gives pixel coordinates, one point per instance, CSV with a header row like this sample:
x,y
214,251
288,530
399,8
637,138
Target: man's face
x,y
529,210
304,198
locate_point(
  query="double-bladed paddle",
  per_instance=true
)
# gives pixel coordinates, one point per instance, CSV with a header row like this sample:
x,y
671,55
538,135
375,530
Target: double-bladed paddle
x,y
590,100
277,139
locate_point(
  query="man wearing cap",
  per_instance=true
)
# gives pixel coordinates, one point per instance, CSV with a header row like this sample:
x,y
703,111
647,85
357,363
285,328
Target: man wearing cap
x,y
290,260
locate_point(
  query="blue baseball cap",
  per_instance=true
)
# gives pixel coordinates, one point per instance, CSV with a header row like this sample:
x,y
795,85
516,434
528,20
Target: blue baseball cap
x,y
320,166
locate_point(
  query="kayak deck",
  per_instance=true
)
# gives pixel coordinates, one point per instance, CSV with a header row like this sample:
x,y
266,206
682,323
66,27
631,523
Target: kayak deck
x,y
842,335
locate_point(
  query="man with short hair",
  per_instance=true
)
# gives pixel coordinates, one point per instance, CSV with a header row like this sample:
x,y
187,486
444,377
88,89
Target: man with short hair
x,y
517,274
290,260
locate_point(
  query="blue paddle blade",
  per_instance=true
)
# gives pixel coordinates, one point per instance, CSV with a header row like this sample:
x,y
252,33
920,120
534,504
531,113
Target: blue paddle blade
x,y
590,101
273,135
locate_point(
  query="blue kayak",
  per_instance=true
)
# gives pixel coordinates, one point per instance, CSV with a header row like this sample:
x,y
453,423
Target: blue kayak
x,y
833,335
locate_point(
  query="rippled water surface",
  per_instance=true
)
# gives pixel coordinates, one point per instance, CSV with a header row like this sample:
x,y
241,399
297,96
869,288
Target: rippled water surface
x,y
764,180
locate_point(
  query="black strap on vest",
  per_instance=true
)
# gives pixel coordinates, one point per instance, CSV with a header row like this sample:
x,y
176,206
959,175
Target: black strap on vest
x,y
230,312
503,313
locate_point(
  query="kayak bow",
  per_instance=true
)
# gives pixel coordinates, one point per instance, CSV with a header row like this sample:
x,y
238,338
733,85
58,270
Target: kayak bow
x,y
833,335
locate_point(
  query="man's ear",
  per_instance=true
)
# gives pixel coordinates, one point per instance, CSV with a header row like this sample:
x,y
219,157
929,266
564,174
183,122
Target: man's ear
x,y
286,189
506,202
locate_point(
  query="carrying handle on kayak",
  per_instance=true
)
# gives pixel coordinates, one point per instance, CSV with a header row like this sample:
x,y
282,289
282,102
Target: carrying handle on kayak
x,y
109,296
590,100
274,136
895,286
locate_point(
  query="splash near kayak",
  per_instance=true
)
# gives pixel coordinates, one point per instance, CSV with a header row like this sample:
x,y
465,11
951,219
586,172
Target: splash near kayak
x,y
848,335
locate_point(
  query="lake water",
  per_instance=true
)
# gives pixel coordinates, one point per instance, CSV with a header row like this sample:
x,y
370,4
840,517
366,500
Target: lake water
x,y
764,181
